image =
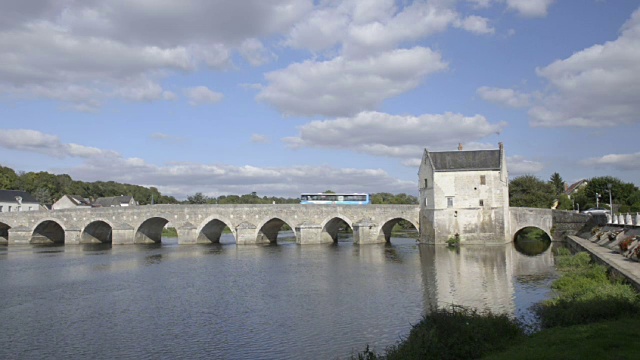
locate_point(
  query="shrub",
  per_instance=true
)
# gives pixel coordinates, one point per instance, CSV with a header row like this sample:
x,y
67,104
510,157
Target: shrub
x,y
454,332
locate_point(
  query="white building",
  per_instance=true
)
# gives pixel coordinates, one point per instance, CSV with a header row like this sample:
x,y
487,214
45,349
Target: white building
x,y
71,202
464,194
16,200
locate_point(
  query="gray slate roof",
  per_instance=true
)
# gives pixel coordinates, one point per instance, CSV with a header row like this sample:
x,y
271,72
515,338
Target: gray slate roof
x,y
466,160
79,200
111,201
10,196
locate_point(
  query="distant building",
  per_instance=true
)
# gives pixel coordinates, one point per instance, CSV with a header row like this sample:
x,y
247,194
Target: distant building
x,y
464,194
71,202
575,187
114,201
15,200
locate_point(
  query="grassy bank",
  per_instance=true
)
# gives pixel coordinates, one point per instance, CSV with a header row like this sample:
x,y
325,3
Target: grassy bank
x,y
591,316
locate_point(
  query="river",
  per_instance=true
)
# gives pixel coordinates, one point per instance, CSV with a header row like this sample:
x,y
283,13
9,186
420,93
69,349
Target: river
x,y
223,301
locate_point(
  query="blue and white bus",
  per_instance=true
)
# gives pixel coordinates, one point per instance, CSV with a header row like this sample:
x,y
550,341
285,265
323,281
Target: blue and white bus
x,y
335,199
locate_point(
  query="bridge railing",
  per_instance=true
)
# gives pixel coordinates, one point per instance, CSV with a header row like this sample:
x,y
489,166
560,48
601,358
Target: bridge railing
x,y
627,219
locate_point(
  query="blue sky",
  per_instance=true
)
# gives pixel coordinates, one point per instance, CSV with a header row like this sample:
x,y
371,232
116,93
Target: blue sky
x,y
289,96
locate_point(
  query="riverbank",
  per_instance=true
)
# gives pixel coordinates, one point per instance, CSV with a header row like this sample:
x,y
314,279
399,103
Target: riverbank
x,y
593,315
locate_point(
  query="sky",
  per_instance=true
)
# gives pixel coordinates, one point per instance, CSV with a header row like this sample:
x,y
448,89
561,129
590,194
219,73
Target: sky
x,y
282,97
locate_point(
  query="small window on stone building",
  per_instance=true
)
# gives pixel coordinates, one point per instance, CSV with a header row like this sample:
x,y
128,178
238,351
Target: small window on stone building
x,y
449,201
481,202
9,209
0,208
426,183
483,180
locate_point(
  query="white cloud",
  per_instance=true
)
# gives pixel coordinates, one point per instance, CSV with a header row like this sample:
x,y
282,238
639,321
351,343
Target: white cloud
x,y
622,162
506,97
530,8
598,86
475,24
259,139
182,179
362,28
518,165
344,87
255,52
202,95
526,8
381,134
38,142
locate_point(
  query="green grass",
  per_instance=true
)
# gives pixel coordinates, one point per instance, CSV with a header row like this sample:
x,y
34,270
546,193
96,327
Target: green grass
x,y
169,232
613,339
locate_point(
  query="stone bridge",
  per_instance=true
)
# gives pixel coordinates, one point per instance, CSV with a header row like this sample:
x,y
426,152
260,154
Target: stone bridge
x,y
557,224
249,224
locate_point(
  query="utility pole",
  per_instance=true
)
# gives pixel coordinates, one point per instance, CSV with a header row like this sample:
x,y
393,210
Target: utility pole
x,y
597,196
610,202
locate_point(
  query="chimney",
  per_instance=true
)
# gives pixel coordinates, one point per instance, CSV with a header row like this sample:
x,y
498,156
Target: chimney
x,y
459,146
501,146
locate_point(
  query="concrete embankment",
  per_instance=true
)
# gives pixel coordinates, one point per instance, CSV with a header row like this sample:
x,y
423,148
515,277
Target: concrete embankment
x,y
614,247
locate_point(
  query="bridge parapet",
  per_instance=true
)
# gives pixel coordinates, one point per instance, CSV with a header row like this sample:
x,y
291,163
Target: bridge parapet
x,y
250,224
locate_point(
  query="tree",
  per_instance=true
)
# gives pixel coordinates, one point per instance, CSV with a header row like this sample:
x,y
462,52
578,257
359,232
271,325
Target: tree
x,y
529,191
557,183
198,198
8,178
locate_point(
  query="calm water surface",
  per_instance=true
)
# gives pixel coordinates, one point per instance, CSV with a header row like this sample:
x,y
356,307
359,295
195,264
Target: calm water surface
x,y
223,301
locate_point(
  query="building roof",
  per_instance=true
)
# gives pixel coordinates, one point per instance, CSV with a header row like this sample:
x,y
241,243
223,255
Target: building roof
x,y
79,200
10,196
575,186
112,201
465,160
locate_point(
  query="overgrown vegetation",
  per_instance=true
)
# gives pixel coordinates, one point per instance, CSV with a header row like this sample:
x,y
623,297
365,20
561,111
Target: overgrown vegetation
x,y
169,232
453,332
585,294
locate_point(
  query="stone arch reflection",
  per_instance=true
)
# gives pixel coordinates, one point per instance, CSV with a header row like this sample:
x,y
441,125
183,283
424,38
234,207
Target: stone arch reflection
x,y
531,241
48,232
212,231
335,229
4,233
97,232
399,226
150,231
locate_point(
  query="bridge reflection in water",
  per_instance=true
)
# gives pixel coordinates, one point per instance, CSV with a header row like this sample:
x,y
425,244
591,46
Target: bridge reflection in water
x,y
261,301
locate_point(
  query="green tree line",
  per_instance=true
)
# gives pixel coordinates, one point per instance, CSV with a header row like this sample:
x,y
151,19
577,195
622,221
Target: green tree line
x,y
48,188
531,191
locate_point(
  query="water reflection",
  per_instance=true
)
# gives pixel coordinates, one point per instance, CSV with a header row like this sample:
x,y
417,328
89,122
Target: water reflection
x,y
282,301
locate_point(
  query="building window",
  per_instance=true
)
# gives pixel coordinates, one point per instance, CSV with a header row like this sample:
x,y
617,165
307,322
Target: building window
x,y
483,180
426,183
481,202
0,208
449,201
9,208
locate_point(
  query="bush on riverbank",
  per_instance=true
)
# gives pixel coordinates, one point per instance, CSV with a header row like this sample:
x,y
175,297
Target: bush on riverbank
x,y
454,332
585,294
169,232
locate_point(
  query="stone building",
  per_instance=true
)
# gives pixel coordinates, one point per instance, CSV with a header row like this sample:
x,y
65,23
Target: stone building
x,y
71,202
464,194
115,201
16,200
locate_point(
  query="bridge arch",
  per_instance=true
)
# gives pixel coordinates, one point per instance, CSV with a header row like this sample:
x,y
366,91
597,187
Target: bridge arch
x,y
212,228
331,226
387,227
97,231
48,231
270,229
150,230
4,233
